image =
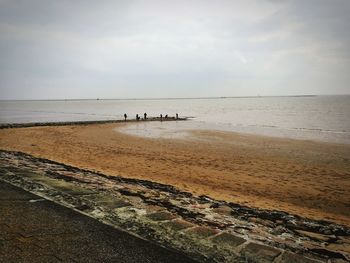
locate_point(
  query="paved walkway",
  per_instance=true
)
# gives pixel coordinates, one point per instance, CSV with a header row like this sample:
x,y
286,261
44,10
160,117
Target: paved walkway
x,y
33,229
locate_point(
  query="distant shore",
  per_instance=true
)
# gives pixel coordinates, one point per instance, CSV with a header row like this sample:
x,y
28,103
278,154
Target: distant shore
x,y
305,178
178,98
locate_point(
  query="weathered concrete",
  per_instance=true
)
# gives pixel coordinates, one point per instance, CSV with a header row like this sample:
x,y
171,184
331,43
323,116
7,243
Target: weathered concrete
x,y
228,239
260,253
205,229
33,229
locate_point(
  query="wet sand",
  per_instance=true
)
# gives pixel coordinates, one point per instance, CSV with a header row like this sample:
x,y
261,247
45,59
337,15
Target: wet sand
x,y
310,179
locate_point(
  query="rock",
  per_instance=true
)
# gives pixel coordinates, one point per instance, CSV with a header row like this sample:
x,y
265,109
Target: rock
x,y
314,236
339,247
202,231
259,253
109,202
260,221
228,239
161,216
178,224
279,230
223,210
295,258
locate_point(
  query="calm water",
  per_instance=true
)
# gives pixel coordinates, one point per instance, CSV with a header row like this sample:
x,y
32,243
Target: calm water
x,y
324,118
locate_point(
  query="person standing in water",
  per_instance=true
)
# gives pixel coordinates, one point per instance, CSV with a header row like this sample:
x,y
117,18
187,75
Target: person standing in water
x,y
177,116
161,117
137,117
125,116
145,116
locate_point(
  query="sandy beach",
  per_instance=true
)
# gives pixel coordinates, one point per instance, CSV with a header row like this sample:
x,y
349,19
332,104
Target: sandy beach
x,y
310,179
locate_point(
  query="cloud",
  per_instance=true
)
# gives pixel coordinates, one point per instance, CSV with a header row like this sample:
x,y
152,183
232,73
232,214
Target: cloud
x,y
66,49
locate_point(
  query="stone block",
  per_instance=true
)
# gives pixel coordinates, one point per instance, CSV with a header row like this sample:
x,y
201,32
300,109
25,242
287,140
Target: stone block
x,y
153,208
228,239
178,225
64,186
109,201
341,247
223,210
161,216
314,236
202,231
288,257
259,253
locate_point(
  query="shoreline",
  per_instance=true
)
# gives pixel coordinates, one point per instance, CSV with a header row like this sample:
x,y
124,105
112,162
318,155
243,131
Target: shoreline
x,y
192,133
259,175
184,129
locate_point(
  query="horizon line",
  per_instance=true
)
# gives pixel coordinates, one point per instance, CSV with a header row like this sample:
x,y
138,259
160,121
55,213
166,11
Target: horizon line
x,y
181,98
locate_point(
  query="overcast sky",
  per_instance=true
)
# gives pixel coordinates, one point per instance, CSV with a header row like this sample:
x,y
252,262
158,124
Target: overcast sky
x,y
157,48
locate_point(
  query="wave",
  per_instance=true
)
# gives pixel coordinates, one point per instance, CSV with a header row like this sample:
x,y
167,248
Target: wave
x,y
302,129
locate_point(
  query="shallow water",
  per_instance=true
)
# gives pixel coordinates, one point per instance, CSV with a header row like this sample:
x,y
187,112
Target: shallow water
x,y
324,118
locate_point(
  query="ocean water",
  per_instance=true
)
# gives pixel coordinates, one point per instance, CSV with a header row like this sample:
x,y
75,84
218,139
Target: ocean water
x,y
322,118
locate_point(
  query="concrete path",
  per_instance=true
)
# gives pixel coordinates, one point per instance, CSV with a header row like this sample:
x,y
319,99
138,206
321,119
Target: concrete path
x,y
33,229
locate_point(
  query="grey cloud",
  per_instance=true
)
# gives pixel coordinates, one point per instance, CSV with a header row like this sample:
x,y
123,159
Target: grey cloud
x,y
60,49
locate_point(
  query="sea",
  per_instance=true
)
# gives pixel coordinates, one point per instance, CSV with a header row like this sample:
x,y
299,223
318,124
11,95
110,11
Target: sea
x,y
318,118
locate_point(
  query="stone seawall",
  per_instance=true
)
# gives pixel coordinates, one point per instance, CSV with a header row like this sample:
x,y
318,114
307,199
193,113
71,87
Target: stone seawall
x,y
205,229
66,123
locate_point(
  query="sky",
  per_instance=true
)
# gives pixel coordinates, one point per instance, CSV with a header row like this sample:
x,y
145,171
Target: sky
x,y
185,48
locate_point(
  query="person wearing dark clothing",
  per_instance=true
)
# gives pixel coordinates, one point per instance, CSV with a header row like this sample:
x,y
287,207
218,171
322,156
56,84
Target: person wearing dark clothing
x,y
177,116
166,116
145,116
161,117
137,117
125,116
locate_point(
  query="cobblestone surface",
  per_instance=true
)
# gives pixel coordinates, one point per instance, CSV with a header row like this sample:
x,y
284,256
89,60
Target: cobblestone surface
x,y
205,229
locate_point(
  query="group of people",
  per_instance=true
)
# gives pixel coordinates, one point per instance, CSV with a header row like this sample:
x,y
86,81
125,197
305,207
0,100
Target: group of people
x,y
145,116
